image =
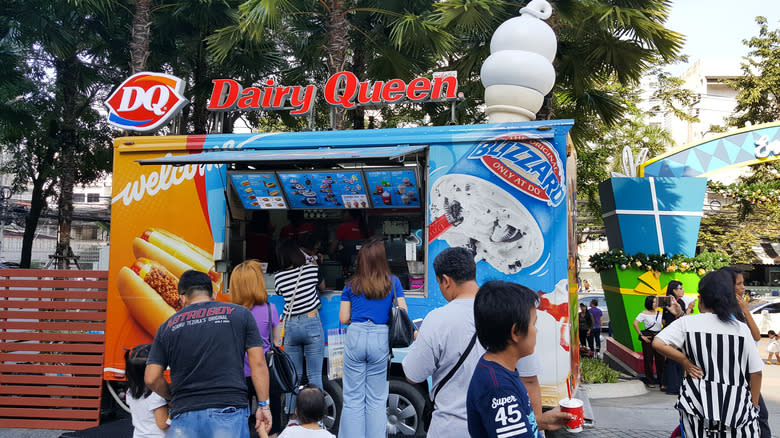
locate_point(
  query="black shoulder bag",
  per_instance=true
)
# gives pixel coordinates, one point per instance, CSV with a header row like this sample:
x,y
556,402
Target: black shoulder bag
x,y
429,407
281,368
401,328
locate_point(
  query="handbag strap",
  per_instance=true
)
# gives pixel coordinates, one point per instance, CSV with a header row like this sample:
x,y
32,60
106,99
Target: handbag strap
x,y
295,292
455,368
655,321
270,327
292,301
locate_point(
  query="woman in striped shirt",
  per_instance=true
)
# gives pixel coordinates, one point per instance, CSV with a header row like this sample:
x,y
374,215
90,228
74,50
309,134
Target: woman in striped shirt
x,y
719,396
303,335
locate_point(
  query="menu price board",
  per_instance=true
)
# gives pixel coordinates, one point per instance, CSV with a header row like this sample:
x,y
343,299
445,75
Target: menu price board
x,y
258,191
324,189
393,188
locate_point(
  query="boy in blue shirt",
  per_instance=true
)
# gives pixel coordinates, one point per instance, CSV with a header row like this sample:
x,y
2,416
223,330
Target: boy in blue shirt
x,y
497,403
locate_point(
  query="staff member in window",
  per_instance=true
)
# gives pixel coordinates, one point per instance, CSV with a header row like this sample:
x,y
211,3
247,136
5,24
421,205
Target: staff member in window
x,y
349,234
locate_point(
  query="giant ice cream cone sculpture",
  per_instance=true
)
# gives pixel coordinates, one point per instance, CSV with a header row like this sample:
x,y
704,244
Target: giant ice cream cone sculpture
x,y
519,71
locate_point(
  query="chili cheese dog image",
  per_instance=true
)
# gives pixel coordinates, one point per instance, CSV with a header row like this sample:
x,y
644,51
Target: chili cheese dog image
x,y
175,253
150,293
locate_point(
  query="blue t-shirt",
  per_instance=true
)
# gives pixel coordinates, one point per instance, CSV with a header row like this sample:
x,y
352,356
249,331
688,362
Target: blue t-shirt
x,y
497,404
596,313
376,311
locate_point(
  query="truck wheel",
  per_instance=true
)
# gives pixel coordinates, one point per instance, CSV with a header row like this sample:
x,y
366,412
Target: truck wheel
x,y
404,409
114,406
333,403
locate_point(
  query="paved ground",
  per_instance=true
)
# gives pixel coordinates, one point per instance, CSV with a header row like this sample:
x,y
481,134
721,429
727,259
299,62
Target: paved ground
x,y
650,415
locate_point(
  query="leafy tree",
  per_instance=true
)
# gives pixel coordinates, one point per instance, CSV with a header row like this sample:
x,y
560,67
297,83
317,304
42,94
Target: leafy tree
x,y
673,97
602,153
753,215
758,89
76,46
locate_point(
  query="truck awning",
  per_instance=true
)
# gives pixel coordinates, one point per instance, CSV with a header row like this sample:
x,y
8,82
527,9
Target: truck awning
x,y
270,155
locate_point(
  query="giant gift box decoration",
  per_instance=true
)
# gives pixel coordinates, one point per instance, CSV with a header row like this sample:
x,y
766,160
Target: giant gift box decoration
x,y
652,216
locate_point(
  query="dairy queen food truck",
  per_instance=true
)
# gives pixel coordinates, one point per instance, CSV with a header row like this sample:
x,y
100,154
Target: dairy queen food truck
x,y
505,191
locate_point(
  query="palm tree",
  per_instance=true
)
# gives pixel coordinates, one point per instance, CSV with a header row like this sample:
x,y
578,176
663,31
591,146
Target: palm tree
x,y
339,35
599,42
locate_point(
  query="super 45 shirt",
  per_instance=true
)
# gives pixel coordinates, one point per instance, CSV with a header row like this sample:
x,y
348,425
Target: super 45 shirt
x,y
497,404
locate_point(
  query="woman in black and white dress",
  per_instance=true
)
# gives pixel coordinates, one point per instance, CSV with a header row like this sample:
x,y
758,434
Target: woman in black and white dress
x,y
304,339
719,396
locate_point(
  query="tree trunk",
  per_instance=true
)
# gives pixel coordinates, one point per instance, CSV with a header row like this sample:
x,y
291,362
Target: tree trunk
x,y
37,204
200,115
66,71
359,67
338,43
141,35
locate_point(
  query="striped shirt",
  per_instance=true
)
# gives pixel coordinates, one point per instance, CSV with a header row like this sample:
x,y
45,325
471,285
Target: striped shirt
x,y
306,299
727,356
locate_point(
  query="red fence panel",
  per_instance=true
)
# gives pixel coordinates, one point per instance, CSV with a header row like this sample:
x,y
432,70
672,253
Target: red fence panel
x,y
52,327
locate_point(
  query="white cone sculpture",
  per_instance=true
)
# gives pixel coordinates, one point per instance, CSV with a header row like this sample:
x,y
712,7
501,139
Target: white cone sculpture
x,y
519,71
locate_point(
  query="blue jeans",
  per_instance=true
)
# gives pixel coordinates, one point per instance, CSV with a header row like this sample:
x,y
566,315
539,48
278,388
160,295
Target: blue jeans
x,y
366,350
230,422
305,339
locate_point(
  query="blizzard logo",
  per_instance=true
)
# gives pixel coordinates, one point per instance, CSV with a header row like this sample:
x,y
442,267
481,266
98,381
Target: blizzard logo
x,y
145,101
531,165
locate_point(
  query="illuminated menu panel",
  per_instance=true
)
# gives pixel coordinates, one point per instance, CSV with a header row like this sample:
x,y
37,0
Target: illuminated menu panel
x,y
258,191
324,189
393,188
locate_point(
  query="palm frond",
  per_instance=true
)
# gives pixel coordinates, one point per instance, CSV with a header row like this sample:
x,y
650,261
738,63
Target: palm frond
x,y
419,34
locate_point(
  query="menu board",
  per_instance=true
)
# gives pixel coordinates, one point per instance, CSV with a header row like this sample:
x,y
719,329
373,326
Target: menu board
x,y
258,191
393,188
324,189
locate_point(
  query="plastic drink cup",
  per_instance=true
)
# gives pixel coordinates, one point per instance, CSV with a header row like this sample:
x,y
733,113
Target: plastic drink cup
x,y
404,199
574,407
401,188
387,198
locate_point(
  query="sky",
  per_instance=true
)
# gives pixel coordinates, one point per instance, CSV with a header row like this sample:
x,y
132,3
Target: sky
x,y
716,28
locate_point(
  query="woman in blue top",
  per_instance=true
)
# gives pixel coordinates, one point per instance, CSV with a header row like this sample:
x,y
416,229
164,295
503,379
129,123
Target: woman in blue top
x,y
365,306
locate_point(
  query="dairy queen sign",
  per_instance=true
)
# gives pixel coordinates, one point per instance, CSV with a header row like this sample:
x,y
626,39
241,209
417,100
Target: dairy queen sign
x,y
146,101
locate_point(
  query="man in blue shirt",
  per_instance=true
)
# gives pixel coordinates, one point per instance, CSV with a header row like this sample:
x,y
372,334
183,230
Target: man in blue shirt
x,y
497,403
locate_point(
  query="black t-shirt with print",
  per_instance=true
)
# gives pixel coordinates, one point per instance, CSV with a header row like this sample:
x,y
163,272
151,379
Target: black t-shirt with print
x,y
204,345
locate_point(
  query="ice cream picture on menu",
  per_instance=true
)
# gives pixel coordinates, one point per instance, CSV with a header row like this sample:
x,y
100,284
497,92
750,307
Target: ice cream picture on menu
x,y
324,189
393,188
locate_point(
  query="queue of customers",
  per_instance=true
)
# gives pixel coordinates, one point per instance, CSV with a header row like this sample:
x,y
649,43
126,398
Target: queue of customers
x,y
217,364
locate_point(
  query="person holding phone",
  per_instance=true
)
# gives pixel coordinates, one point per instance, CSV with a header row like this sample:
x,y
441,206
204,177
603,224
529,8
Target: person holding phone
x,y
652,322
673,371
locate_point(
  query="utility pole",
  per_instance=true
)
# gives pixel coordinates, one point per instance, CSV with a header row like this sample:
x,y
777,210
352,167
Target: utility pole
x,y
5,195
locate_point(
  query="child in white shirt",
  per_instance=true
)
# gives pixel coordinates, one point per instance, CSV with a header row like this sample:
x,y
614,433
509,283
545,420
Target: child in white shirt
x,y
149,410
773,348
309,408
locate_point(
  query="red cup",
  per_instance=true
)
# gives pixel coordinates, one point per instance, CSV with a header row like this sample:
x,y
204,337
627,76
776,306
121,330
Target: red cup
x,y
574,407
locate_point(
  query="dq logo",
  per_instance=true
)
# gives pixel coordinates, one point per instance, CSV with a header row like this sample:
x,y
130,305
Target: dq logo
x,y
145,101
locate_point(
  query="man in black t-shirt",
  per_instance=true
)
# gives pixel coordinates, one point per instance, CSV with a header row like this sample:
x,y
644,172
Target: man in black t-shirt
x,y
204,345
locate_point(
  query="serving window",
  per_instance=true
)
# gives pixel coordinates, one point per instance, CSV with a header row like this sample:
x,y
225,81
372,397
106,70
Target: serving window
x,y
272,201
